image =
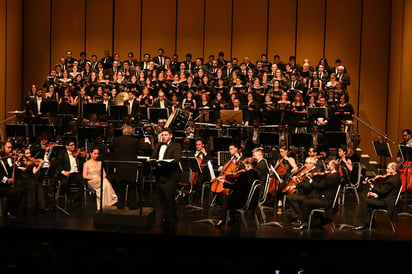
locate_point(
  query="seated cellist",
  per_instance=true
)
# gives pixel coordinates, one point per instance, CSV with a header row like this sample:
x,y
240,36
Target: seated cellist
x,y
234,164
239,184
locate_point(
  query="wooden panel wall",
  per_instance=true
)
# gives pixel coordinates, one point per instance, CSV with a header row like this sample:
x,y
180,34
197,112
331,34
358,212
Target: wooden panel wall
x,y
3,63
374,77
127,27
159,27
218,28
67,28
355,31
249,29
190,32
36,38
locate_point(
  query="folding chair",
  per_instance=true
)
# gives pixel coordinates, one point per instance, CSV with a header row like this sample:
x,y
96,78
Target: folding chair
x,y
385,211
352,185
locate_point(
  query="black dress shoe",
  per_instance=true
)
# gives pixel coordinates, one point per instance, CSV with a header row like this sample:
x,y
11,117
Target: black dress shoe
x,y
296,222
360,227
301,227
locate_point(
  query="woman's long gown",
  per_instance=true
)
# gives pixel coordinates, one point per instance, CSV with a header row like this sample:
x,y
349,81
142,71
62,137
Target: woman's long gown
x,y
109,195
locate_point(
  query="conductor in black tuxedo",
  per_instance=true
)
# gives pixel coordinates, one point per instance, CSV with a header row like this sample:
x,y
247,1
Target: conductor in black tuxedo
x,y
167,175
125,148
69,168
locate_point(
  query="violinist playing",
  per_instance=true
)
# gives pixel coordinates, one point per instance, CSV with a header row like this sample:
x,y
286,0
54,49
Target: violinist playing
x,y
381,195
68,167
28,177
317,191
320,159
285,166
8,189
239,185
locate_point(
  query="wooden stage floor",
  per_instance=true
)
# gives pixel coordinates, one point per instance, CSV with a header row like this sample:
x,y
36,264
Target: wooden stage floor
x,y
57,243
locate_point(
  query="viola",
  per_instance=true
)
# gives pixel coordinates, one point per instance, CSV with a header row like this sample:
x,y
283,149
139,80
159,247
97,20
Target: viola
x,y
300,176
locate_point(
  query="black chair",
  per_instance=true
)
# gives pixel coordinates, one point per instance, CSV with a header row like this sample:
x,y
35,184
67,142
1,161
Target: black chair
x,y
323,210
352,185
386,211
253,194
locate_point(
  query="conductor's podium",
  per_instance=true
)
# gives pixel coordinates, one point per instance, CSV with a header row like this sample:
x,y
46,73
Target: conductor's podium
x,y
141,217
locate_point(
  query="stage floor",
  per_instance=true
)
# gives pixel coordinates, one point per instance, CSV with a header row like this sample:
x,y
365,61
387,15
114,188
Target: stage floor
x,y
70,242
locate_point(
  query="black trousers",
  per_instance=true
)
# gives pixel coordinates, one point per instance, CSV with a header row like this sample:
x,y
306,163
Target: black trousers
x,y
14,197
166,190
366,208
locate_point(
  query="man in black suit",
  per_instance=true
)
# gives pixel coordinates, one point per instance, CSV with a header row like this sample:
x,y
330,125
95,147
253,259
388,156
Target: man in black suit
x,y
167,174
382,195
12,193
159,60
262,167
203,156
161,101
133,108
125,148
107,60
318,192
69,168
35,103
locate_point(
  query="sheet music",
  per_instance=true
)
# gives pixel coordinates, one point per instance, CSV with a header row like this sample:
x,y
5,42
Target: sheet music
x,y
211,170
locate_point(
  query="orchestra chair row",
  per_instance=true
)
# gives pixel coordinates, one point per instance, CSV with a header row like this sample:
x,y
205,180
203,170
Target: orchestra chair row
x,y
322,210
354,186
376,210
254,194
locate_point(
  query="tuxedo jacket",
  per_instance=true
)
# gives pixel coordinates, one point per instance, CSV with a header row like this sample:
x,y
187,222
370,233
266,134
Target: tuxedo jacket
x,y
63,162
125,148
156,103
6,170
388,191
173,151
135,107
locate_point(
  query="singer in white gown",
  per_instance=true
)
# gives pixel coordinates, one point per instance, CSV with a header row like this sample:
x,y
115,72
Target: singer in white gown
x,y
91,173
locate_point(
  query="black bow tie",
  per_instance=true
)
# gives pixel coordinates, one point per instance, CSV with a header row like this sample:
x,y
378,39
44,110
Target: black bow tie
x,y
164,144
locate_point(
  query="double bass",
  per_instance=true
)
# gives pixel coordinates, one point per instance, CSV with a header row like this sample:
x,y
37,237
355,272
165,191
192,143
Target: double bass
x,y
229,168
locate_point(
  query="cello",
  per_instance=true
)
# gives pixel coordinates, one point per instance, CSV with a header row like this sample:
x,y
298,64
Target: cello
x,y
229,168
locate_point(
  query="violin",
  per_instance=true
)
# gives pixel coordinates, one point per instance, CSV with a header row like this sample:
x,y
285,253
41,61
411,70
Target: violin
x,y
33,162
79,153
377,177
300,176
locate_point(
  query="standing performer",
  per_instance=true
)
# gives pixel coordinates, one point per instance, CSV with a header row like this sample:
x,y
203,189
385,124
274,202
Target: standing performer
x,y
165,159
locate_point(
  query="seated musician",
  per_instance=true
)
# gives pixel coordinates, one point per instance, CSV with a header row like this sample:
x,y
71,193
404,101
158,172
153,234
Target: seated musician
x,y
285,166
13,194
27,176
203,156
318,190
320,159
69,168
381,195
233,165
239,185
295,188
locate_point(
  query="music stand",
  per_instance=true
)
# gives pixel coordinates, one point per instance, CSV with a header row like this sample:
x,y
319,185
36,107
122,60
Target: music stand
x,y
117,112
13,130
335,139
231,117
269,139
86,133
382,150
301,140
96,108
38,130
406,155
221,143
274,223
192,165
49,107
316,112
154,114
